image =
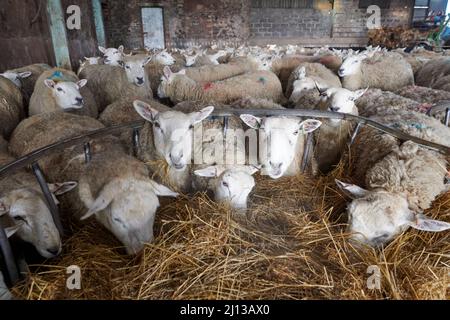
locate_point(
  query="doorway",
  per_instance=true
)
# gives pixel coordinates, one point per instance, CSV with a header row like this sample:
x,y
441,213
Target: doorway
x,y
153,27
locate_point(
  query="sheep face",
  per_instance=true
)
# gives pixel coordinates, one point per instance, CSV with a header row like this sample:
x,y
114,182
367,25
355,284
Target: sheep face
x,y
16,77
112,56
67,94
299,87
165,58
173,132
135,70
351,65
167,78
231,185
127,208
377,217
340,100
190,59
92,60
279,138
27,209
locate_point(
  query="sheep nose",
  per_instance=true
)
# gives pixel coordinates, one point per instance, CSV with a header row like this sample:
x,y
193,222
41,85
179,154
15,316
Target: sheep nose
x,y
176,159
140,80
53,250
333,109
79,101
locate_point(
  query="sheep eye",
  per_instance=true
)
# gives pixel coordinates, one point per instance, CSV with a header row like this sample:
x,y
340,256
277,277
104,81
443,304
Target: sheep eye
x,y
128,67
225,184
296,132
157,125
191,127
20,218
59,89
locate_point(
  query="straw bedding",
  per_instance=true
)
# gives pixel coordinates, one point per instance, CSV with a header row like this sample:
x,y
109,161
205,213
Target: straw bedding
x,y
291,245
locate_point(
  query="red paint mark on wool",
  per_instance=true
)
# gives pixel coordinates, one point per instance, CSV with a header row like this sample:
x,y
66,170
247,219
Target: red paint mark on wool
x,y
207,86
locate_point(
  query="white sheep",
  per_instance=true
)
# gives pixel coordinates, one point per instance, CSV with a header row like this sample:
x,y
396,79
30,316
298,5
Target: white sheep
x,y
386,71
16,77
178,87
11,107
111,83
28,83
89,61
402,179
60,90
25,211
112,56
113,187
282,142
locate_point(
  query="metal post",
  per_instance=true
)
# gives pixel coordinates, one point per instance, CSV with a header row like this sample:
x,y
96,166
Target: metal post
x,y
135,141
306,152
48,196
447,116
87,152
355,133
98,21
225,126
7,253
57,23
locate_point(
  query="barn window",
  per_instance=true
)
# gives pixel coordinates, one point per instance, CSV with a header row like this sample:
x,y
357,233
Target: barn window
x,y
383,4
288,4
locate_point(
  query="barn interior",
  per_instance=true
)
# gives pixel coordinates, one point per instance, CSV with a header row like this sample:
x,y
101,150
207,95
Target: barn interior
x,y
97,202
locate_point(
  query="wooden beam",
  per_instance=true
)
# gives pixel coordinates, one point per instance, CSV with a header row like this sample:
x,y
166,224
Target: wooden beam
x,y
98,21
58,32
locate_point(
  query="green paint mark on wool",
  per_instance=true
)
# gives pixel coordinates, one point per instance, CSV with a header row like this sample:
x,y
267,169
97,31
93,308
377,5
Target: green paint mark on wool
x,y
262,80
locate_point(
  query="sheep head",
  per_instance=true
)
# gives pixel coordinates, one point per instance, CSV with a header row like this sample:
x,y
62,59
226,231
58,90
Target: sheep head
x,y
173,132
127,208
26,211
66,93
352,64
112,56
279,137
16,77
230,184
377,217
164,58
135,69
340,100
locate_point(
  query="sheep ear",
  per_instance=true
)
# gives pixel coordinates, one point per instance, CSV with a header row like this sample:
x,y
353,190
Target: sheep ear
x,y
60,188
161,190
426,224
167,72
182,71
209,172
201,115
251,120
49,83
251,170
302,73
102,49
4,207
23,75
358,94
147,60
11,230
353,191
310,125
103,201
81,83
120,48
145,110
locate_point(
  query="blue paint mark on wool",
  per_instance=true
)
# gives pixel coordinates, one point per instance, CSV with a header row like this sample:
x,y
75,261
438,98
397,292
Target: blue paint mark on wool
x,y
262,80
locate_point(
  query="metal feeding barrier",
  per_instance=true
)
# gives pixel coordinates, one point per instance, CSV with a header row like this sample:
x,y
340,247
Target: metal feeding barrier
x,y
31,159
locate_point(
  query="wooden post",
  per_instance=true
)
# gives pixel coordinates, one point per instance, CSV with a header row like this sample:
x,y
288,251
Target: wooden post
x,y
98,21
58,31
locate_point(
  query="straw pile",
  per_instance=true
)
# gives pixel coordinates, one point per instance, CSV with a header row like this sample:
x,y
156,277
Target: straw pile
x,y
398,37
291,245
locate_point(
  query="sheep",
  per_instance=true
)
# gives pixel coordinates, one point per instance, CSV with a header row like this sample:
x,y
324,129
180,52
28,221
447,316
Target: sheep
x,y
112,56
283,156
11,107
435,74
156,66
178,87
166,143
87,62
334,134
200,59
401,179
28,83
307,74
113,187
111,83
211,73
15,77
386,71
60,90
23,207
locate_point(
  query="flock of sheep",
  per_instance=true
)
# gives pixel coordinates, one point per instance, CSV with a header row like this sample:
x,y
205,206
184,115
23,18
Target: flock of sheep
x,y
178,90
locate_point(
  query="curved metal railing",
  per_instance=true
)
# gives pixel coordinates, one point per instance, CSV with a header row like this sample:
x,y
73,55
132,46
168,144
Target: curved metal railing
x,y
31,159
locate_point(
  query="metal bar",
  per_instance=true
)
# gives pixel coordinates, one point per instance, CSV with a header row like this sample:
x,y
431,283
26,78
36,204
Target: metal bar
x,y
8,255
306,152
58,32
98,21
447,116
48,196
135,141
87,152
355,133
225,126
65,143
